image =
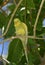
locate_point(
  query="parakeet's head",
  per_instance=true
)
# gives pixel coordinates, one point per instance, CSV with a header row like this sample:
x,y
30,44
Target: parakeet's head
x,y
16,21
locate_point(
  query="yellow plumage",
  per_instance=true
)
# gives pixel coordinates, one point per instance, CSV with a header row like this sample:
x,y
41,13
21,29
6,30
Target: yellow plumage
x,y
21,30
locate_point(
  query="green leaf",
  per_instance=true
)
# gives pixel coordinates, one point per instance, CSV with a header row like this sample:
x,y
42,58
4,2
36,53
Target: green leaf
x,y
2,20
11,31
1,1
23,61
33,58
31,41
30,59
11,7
30,4
12,64
15,51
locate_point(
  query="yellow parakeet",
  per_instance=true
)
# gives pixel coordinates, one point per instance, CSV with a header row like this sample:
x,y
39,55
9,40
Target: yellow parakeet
x,y
21,30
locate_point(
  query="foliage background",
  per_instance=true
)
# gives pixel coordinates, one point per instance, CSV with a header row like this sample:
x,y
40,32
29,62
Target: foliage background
x,y
36,47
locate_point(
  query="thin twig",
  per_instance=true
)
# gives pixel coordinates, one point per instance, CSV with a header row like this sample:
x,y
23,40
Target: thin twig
x,y
14,12
15,2
6,60
38,14
14,37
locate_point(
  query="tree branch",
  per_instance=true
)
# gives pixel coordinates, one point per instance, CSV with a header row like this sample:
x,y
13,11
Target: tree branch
x,y
14,12
6,60
14,37
38,14
15,2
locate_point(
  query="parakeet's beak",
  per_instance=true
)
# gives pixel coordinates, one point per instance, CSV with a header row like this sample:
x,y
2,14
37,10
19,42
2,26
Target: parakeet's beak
x,y
16,22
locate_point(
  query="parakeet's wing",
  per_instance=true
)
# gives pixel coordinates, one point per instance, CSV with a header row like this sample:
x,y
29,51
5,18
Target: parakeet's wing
x,y
26,32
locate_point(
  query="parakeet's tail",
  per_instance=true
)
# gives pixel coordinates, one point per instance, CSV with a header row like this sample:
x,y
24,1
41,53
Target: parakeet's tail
x,y
24,42
25,50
